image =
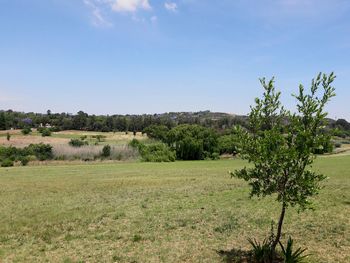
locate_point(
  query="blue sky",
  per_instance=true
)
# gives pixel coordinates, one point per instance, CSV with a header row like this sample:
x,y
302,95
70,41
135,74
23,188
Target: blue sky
x,y
152,56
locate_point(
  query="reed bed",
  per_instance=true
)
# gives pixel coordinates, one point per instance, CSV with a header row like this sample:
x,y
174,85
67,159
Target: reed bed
x,y
93,152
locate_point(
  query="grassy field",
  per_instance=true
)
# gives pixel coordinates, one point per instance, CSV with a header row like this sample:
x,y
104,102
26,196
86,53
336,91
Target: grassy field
x,y
63,137
158,212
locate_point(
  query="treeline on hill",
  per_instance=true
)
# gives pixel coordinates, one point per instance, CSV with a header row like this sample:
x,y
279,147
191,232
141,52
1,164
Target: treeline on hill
x,y
106,123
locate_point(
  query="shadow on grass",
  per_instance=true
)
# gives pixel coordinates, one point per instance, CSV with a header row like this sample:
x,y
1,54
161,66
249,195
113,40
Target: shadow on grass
x,y
235,256
241,256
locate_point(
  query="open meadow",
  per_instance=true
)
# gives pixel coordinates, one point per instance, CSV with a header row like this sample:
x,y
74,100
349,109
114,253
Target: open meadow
x,y
158,212
63,137
63,152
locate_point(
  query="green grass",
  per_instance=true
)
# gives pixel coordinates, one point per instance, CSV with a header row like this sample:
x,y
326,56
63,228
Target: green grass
x,y
158,212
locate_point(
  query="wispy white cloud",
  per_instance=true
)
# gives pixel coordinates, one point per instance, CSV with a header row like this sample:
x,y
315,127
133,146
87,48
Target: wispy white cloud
x,y
170,6
130,5
98,18
101,10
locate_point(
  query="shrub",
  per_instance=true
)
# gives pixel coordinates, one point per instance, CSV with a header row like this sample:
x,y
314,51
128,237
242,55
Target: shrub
x,y
77,143
45,132
7,163
26,131
192,142
24,160
134,143
158,152
106,151
41,151
10,153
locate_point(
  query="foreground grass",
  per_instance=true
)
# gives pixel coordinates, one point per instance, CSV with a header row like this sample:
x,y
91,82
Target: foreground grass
x,y
167,212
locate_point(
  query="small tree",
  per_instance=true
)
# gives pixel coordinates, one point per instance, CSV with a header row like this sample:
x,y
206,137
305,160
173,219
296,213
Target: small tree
x,y
106,151
280,145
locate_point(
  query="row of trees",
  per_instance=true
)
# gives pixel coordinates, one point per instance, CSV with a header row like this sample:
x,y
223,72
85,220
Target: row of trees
x,y
83,121
105,123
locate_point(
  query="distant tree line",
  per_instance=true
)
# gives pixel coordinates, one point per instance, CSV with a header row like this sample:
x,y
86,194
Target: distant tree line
x,y
107,123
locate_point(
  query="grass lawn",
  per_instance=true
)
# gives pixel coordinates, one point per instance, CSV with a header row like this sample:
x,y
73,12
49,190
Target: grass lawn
x,y
158,212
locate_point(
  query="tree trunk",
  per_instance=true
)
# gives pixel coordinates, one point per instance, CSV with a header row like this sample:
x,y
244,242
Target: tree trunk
x,y
279,228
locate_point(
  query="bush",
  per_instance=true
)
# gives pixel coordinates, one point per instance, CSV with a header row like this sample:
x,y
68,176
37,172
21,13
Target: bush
x,y
106,151
77,143
10,153
158,152
45,132
24,160
26,131
134,143
41,151
7,163
193,142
